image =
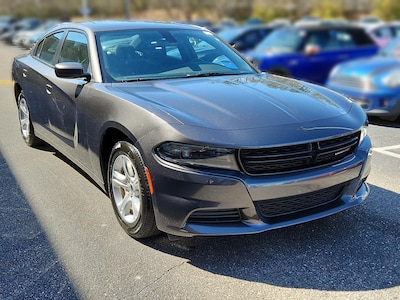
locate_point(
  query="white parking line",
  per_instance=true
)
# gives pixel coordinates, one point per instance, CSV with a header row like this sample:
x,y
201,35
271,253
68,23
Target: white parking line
x,y
386,150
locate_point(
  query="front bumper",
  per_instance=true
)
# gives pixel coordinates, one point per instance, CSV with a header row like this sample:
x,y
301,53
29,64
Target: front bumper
x,y
384,104
190,202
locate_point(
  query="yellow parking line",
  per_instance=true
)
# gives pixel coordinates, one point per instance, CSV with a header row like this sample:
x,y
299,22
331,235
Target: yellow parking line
x,y
5,82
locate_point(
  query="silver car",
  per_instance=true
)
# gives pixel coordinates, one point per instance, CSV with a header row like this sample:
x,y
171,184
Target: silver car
x,y
184,134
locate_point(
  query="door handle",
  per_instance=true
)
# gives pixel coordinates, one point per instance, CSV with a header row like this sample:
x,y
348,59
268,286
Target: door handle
x,y
49,89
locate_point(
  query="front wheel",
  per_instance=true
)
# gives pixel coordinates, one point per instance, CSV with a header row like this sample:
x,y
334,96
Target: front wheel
x,y
25,123
129,191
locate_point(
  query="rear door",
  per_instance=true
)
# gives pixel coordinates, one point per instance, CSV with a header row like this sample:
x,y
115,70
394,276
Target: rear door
x,y
36,73
66,95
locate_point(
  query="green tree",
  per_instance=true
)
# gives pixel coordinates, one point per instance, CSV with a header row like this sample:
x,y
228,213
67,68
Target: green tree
x,y
387,9
270,14
327,9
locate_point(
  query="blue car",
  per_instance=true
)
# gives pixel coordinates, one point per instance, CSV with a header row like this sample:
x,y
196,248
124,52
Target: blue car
x,y
245,38
374,83
309,52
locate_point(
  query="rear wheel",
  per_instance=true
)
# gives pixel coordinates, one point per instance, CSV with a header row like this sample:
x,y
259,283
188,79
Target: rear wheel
x,y
129,191
25,123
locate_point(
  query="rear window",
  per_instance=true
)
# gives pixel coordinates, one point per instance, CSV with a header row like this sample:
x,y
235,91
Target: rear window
x,y
360,37
46,49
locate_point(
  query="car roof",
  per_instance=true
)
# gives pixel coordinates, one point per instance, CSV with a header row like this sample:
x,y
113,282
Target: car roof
x,y
111,25
327,26
245,28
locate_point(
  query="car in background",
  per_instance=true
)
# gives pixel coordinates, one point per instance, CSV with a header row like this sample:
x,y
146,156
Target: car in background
x,y
29,41
370,20
186,140
224,24
26,38
202,22
254,21
309,52
6,23
23,24
383,33
374,82
308,20
245,38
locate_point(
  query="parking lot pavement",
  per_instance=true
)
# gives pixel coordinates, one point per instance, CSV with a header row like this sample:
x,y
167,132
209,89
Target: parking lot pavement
x,y
29,268
389,150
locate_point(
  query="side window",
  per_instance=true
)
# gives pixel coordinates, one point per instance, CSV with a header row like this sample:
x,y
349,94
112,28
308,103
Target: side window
x,y
249,40
396,31
342,39
75,49
38,48
331,40
384,32
319,39
47,48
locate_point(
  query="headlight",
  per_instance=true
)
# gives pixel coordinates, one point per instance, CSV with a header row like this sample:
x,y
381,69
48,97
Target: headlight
x,y
392,80
334,71
198,156
364,131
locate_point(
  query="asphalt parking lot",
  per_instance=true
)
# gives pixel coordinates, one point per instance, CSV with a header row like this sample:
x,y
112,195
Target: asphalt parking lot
x,y
60,239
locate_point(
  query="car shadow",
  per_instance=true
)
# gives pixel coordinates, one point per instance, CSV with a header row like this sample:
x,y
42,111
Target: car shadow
x,y
385,123
355,250
30,268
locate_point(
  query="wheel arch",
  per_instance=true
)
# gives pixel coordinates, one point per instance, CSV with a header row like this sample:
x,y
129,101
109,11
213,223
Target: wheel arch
x,y
17,91
110,137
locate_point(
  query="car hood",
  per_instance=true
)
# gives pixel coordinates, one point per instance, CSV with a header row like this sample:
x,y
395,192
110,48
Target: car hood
x,y
367,67
237,102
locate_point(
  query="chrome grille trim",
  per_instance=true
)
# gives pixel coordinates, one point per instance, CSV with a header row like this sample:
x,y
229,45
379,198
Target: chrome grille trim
x,y
352,82
298,157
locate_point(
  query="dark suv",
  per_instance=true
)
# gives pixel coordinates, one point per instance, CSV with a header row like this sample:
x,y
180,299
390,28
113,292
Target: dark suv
x,y
309,52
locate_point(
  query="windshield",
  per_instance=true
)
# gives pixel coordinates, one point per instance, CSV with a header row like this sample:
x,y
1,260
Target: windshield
x,y
134,55
391,49
286,40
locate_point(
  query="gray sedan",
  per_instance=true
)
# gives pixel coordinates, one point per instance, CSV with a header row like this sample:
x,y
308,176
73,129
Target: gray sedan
x,y
185,135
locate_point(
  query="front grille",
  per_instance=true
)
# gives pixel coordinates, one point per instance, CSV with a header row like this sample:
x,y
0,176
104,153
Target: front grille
x,y
294,204
215,216
276,160
352,82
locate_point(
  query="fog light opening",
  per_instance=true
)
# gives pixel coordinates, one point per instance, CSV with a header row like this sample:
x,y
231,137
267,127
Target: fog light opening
x,y
384,102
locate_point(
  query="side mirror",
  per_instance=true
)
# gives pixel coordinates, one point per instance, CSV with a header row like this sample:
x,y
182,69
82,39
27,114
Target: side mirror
x,y
239,46
71,70
312,49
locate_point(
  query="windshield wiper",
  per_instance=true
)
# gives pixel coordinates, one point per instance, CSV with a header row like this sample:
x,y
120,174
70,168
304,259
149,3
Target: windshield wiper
x,y
137,79
209,74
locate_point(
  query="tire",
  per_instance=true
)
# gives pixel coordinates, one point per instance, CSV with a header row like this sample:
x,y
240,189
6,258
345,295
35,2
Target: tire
x,y
25,123
129,191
